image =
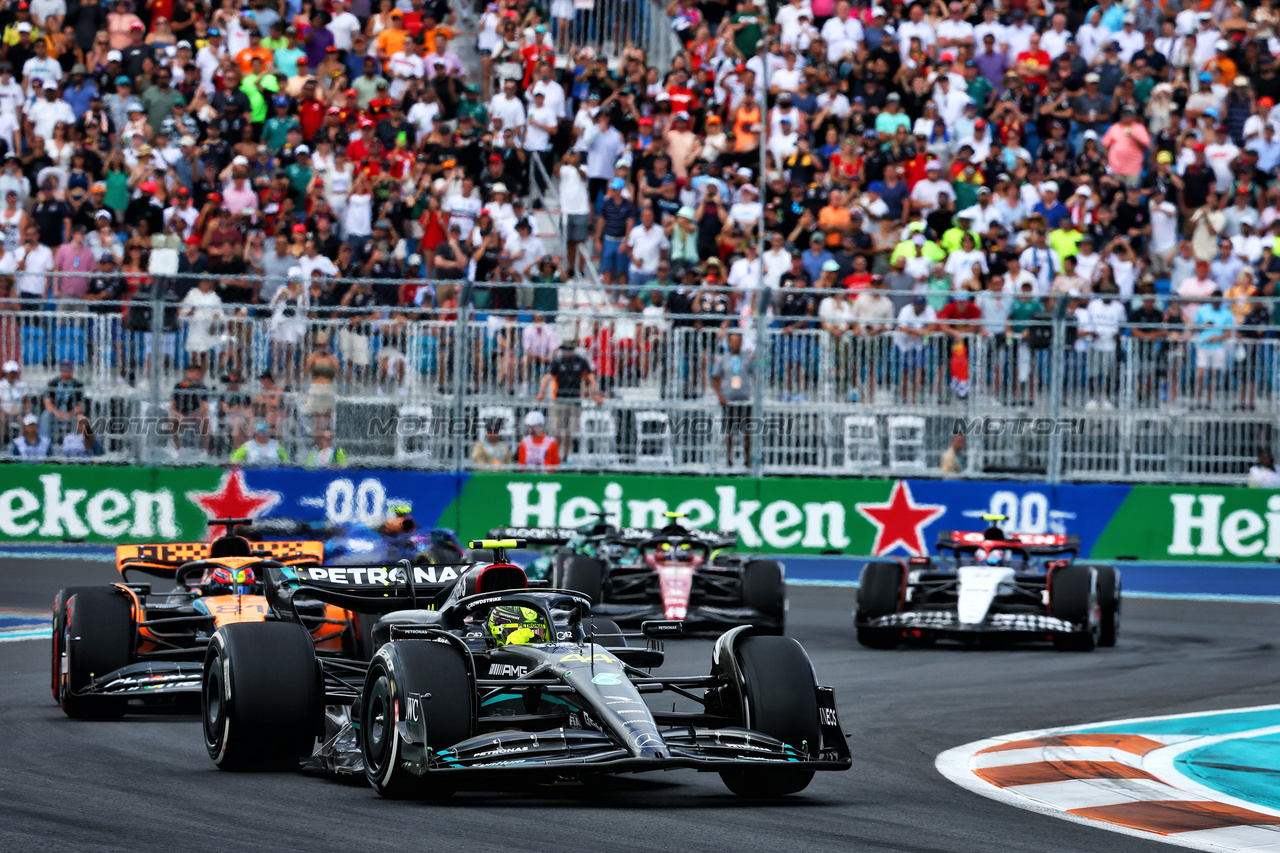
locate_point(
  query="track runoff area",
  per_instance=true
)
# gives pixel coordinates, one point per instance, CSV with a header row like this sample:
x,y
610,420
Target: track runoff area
x,y
1175,769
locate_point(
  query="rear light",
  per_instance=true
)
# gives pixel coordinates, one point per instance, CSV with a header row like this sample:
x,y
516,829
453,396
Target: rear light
x,y
919,561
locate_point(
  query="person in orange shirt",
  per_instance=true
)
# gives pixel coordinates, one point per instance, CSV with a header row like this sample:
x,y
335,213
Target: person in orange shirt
x,y
537,449
1223,61
391,40
834,219
244,58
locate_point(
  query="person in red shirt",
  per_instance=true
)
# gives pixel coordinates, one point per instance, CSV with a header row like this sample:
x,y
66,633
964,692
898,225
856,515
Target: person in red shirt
x,y
913,170
1033,64
535,53
311,111
682,97
351,107
960,317
537,449
358,149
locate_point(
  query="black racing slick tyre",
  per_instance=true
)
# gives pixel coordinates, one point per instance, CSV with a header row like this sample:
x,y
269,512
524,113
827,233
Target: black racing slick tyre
x,y
260,696
781,698
1073,598
59,626
585,575
438,673
879,594
607,633
97,638
1108,605
765,591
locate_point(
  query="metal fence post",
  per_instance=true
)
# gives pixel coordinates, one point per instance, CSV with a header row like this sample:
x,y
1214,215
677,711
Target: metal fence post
x,y
457,425
759,375
151,443
1057,382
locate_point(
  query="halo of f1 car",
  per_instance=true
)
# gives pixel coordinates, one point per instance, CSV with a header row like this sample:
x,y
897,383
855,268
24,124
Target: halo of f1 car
x,y
632,575
125,642
991,586
446,700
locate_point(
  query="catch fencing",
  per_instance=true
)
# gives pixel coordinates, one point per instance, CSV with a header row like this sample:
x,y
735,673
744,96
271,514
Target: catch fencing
x,y
416,386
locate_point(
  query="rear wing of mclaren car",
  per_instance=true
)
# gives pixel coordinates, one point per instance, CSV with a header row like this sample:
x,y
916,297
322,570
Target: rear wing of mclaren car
x,y
164,560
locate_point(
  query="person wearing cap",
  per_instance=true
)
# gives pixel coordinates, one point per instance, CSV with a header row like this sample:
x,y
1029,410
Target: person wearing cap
x,y
15,397
260,450
275,131
31,443
1126,144
63,402
568,381
613,225
537,450
75,261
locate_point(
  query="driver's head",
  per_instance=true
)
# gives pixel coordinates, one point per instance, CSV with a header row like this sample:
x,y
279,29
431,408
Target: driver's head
x,y
399,521
517,626
994,557
221,580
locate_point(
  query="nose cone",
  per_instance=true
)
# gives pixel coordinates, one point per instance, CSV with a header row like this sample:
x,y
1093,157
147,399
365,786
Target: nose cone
x,y
649,745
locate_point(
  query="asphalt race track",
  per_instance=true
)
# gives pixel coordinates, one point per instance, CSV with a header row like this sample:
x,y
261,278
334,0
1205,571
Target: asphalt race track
x,y
145,783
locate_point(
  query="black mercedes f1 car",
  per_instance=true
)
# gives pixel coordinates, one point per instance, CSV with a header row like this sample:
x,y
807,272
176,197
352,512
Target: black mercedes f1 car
x,y
443,705
633,575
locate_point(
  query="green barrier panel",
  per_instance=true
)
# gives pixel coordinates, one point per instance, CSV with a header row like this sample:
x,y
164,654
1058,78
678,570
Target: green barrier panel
x,y
1194,523
102,504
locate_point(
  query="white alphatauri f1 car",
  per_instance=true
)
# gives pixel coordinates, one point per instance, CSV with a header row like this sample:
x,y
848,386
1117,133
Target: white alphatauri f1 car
x,y
991,586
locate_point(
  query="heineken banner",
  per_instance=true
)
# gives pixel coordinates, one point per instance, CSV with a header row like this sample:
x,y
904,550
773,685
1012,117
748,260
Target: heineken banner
x,y
778,515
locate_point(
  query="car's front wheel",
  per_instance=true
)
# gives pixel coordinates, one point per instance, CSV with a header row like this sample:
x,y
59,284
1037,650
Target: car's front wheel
x,y
433,676
260,696
780,696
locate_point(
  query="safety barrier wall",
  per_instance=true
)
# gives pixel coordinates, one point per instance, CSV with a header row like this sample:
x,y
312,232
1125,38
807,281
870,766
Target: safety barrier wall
x,y
107,503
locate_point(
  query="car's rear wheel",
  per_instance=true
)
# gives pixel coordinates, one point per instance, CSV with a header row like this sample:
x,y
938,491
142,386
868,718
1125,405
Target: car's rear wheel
x,y
781,700
585,575
260,696
59,626
97,638
1073,598
764,590
879,594
1108,605
437,673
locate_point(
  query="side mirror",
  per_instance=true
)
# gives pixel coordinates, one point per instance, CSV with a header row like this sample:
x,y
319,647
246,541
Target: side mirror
x,y
658,629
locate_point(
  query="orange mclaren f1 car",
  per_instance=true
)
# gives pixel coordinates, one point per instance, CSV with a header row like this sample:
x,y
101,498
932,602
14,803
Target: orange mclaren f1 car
x,y
122,642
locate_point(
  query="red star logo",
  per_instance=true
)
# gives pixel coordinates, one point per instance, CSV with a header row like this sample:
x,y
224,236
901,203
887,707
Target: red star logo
x,y
900,521
233,499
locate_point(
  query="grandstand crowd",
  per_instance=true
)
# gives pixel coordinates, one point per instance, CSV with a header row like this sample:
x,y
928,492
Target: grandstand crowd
x,y
934,174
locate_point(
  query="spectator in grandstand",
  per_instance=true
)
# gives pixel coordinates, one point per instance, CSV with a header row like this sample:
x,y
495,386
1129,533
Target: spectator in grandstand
x,y
83,443
733,381
30,443
1213,326
1266,474
953,458
262,449
203,314
538,451
568,381
325,454
189,408
235,408
490,450
322,368
63,402
15,398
